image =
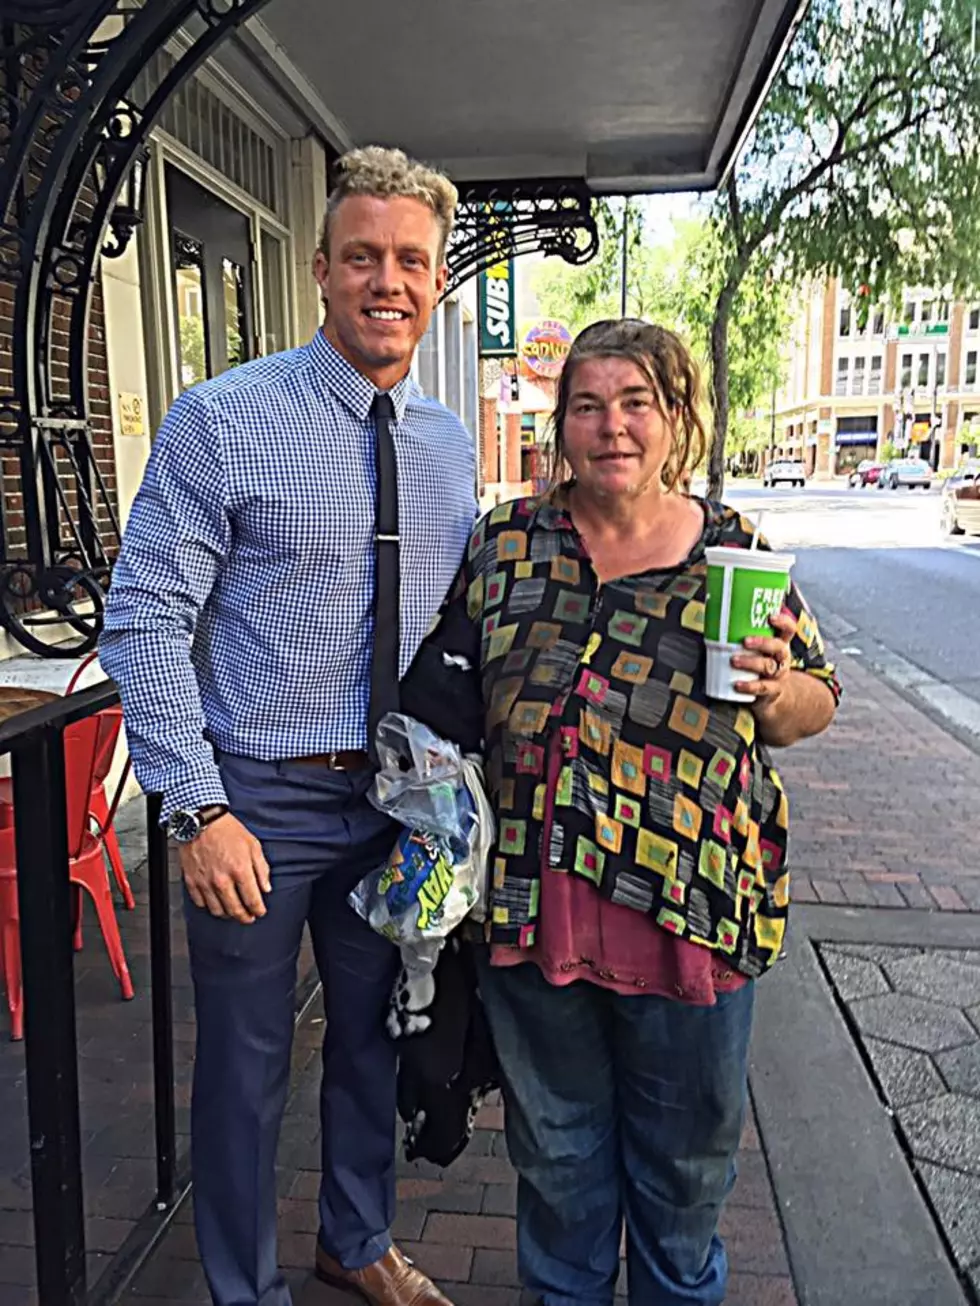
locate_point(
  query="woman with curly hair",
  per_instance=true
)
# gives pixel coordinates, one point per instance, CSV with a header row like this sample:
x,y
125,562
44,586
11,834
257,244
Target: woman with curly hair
x,y
639,881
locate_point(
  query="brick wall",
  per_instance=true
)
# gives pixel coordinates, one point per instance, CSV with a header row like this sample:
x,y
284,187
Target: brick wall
x,y
32,67
100,416
489,443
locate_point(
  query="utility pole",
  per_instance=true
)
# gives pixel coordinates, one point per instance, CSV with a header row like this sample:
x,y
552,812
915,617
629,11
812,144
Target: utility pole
x,y
626,232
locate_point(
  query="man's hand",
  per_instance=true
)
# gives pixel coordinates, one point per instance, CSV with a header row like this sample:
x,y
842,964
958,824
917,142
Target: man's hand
x,y
225,871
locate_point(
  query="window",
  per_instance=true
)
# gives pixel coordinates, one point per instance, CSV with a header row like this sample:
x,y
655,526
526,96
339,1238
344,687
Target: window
x,y
845,322
191,318
923,373
454,358
470,377
908,313
942,311
428,359
940,369
857,386
236,319
874,381
975,319
971,367
878,328
206,125
926,314
843,365
906,371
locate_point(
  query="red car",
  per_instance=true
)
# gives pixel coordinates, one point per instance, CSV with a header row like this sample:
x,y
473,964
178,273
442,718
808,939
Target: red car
x,y
865,473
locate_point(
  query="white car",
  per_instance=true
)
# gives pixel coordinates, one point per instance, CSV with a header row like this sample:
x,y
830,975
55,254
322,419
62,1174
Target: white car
x,y
784,472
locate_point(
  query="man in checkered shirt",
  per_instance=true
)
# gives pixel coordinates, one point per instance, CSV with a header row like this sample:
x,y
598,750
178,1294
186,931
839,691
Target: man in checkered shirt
x,y
240,630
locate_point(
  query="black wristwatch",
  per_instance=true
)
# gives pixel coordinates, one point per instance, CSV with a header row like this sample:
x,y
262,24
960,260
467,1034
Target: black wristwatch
x,y
184,827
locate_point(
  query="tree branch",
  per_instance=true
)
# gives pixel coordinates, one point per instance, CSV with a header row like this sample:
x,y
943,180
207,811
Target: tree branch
x,y
834,159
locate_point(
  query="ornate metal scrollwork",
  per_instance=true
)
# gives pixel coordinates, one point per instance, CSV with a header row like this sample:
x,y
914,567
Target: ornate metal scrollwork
x,y
506,219
72,141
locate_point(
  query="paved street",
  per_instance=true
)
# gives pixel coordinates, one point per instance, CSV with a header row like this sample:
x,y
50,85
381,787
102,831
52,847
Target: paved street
x,y
908,598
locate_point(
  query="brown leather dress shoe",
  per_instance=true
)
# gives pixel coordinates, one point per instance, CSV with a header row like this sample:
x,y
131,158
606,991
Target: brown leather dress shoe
x,y
392,1281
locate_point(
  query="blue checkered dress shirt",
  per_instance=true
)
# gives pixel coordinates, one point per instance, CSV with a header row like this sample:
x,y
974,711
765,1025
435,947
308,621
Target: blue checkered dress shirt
x,y
240,612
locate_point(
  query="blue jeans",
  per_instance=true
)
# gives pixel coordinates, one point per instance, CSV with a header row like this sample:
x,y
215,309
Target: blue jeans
x,y
619,1110
320,836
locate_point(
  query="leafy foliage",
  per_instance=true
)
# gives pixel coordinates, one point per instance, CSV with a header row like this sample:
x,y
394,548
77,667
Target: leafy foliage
x,y
864,163
677,284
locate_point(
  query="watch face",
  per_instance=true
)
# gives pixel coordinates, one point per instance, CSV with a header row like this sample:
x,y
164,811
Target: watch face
x,y
184,826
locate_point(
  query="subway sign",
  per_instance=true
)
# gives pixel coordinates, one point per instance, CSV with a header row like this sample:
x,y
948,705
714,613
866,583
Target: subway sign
x,y
495,306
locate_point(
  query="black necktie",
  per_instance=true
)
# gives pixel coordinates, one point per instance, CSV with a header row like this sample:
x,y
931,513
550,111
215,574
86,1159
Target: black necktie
x,y
384,658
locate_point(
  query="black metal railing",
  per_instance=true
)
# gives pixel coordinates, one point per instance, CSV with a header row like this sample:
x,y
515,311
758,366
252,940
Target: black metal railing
x,y
35,742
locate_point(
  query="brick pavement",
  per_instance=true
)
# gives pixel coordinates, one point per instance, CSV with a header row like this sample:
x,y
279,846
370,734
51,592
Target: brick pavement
x,y
115,1087
458,1224
883,807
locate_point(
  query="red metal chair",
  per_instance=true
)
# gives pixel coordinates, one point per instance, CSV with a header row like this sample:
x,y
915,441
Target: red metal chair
x,y
103,812
86,870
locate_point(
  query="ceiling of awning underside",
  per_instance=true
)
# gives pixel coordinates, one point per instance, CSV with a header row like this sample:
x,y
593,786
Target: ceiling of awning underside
x,y
632,95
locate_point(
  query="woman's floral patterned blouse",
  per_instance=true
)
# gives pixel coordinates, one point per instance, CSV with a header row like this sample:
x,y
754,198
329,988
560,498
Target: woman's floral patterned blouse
x,y
665,800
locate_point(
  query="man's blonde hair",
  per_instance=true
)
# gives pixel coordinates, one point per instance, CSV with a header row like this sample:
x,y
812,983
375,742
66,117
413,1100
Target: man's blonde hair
x,y
387,174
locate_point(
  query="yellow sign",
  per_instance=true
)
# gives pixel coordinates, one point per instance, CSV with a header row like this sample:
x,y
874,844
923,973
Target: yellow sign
x,y
545,347
131,415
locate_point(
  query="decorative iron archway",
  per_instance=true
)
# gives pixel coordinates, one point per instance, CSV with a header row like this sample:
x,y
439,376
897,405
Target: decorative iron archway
x,y
73,134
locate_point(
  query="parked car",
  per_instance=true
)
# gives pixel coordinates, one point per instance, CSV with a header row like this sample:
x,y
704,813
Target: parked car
x,y
787,473
960,510
907,472
865,473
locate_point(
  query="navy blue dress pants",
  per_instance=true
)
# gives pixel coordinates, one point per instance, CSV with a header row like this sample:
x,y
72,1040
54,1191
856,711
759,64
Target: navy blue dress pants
x,y
320,836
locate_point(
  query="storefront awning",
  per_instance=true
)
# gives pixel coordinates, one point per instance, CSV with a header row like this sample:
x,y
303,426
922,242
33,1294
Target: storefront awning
x,y
630,97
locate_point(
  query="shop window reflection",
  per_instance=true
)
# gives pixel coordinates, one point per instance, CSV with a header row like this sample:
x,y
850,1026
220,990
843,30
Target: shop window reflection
x,y
191,314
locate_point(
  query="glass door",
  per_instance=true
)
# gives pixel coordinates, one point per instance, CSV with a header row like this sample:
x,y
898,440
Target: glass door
x,y
212,262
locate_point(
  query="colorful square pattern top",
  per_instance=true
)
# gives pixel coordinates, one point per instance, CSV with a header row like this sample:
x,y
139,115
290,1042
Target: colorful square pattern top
x,y
663,799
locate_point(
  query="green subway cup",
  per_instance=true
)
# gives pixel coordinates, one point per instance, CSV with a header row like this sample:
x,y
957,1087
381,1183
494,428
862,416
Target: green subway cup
x,y
746,587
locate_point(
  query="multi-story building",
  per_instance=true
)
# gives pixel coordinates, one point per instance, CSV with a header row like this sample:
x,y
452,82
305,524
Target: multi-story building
x,y
863,382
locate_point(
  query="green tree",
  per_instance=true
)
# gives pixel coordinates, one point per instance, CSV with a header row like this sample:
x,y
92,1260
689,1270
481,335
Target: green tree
x,y
864,163
676,283
579,296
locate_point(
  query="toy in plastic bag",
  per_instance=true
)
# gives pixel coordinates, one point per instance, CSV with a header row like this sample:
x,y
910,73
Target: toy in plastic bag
x,y
436,875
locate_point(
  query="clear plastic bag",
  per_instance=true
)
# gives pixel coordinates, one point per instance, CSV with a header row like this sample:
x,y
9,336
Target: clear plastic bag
x,y
436,875
419,777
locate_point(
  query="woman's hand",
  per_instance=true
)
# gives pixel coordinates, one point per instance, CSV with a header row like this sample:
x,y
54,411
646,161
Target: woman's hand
x,y
769,661
789,705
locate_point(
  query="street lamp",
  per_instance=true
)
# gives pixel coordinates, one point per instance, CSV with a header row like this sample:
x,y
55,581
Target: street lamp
x,y
127,212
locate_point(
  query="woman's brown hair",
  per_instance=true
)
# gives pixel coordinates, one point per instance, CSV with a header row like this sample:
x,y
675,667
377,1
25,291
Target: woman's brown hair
x,y
674,376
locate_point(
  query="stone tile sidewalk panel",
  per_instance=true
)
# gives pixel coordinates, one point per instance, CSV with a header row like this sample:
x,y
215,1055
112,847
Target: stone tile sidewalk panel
x,y
923,1046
